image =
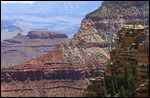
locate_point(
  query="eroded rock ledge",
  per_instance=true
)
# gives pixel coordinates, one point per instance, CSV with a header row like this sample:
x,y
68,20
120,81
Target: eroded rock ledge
x,y
46,34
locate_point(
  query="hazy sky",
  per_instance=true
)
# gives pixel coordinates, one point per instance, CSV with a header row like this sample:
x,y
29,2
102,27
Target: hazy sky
x,y
17,2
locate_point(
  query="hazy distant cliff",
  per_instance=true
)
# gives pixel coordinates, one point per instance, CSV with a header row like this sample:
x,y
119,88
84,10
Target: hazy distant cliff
x,y
21,48
59,16
45,35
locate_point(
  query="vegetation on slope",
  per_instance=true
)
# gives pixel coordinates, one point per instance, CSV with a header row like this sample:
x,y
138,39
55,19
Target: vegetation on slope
x,y
117,88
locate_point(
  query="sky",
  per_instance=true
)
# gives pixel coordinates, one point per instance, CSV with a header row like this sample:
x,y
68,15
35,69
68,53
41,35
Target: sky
x,y
30,2
69,24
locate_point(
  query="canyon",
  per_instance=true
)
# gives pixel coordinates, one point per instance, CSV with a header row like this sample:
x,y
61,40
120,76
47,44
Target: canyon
x,y
112,15
70,64
58,16
22,48
132,49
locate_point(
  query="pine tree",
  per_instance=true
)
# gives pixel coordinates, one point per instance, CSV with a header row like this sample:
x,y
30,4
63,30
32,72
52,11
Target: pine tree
x,y
112,89
121,91
134,70
103,83
131,85
126,74
91,95
115,82
102,92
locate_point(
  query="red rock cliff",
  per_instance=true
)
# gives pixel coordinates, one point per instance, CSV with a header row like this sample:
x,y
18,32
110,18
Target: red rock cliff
x,y
21,48
76,58
46,34
112,15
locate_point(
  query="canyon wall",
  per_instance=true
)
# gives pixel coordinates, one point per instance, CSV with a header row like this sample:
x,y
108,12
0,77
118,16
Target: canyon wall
x,y
112,15
22,48
77,58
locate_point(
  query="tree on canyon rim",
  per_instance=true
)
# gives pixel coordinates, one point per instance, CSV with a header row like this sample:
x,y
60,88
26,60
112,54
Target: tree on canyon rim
x,y
115,82
112,89
121,91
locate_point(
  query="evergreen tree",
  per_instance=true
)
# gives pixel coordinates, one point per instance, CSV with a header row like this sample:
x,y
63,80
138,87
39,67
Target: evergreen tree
x,y
134,71
102,92
131,85
126,74
112,89
121,91
91,95
115,82
103,83
127,92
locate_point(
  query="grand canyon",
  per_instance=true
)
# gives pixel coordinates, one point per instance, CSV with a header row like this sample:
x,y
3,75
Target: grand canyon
x,y
65,70
21,48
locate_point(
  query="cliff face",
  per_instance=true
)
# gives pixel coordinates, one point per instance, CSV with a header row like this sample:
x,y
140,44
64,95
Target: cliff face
x,y
112,15
21,48
125,4
75,59
46,35
132,49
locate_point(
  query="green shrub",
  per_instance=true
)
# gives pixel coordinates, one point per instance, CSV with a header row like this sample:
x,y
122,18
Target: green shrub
x,y
125,48
96,73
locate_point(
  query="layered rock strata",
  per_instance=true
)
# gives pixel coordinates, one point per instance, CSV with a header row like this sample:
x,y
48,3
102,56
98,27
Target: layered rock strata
x,y
46,35
132,50
75,59
112,15
21,48
78,58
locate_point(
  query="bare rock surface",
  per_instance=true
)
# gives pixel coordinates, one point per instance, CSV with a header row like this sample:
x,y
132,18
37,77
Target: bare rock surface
x,y
75,59
21,48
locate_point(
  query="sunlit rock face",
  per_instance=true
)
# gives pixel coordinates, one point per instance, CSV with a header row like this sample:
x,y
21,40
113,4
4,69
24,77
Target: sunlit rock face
x,y
74,60
113,15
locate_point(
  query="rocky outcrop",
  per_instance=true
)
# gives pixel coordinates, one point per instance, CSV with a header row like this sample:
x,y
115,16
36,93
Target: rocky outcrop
x,y
112,15
124,4
69,59
74,59
132,50
46,35
21,48
44,88
49,71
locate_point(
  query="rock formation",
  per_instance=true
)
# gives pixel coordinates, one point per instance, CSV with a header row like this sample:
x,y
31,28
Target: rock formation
x,y
132,49
74,60
45,35
21,48
112,15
